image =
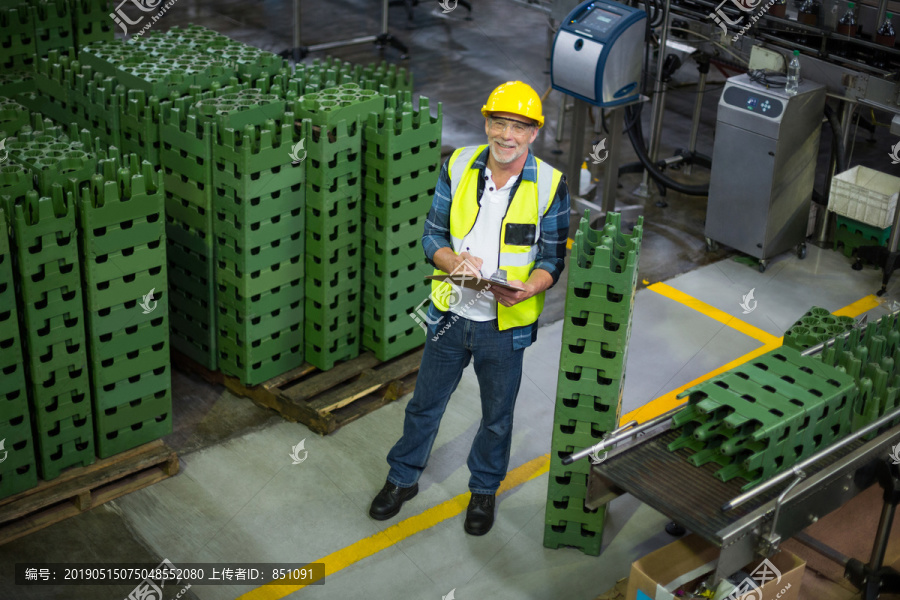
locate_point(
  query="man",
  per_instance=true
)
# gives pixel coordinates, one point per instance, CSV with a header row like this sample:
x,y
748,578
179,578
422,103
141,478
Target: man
x,y
496,207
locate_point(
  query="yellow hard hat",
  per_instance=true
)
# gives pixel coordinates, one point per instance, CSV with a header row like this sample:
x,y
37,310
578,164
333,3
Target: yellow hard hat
x,y
517,98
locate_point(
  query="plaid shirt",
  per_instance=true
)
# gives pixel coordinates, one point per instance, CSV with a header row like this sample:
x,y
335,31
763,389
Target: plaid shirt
x,y
551,255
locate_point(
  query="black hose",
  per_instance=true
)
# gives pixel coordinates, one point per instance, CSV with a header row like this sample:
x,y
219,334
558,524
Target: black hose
x,y
636,135
837,144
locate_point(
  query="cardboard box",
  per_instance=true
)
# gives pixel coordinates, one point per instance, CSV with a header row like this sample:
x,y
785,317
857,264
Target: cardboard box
x,y
692,558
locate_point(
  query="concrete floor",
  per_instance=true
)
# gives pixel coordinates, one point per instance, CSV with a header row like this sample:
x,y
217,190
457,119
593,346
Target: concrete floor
x,y
239,498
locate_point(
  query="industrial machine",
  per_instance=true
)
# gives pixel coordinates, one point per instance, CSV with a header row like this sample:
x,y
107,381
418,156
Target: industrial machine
x,y
597,53
748,523
763,168
596,58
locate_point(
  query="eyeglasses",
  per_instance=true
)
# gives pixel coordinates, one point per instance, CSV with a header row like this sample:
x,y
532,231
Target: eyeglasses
x,y
499,125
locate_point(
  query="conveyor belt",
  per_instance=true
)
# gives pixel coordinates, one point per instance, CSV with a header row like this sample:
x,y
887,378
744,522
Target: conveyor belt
x,y
691,496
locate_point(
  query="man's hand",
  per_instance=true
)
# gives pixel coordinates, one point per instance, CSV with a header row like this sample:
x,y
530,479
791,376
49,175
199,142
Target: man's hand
x,y
451,263
511,297
539,281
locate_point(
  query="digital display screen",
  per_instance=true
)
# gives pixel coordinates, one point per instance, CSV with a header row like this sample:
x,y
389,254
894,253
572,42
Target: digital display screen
x,y
751,102
600,20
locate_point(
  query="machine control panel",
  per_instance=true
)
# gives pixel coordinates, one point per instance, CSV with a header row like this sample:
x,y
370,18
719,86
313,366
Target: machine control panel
x,y
595,21
753,101
597,53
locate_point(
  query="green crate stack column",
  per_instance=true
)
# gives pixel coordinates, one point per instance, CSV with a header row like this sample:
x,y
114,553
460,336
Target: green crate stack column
x,y
18,45
15,82
187,158
18,471
53,157
764,416
123,250
54,80
260,240
53,21
872,358
599,304
92,21
334,221
816,326
13,118
50,283
402,162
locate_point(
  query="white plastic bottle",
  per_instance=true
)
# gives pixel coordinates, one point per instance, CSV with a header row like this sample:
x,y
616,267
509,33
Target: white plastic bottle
x,y
793,75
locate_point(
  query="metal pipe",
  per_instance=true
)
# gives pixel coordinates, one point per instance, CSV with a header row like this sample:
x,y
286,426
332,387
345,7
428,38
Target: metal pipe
x,y
296,29
384,16
894,240
847,109
611,171
561,121
576,147
780,502
616,438
797,468
658,106
823,549
659,89
881,538
695,122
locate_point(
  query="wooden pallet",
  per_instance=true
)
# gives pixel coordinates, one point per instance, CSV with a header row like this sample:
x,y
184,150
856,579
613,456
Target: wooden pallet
x,y
80,489
324,400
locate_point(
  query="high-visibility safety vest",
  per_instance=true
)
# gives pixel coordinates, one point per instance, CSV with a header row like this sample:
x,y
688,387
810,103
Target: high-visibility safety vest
x,y
519,231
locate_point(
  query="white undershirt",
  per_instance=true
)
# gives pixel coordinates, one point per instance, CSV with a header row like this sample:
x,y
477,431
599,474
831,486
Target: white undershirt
x,y
483,241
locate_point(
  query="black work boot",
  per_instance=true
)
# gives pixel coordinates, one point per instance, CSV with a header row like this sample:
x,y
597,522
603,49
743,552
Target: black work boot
x,y
480,514
389,500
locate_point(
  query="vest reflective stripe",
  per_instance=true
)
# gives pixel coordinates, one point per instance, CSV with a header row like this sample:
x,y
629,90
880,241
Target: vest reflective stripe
x,y
466,155
545,190
518,259
528,206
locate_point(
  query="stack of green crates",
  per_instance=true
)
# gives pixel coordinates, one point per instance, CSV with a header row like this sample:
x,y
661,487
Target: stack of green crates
x,y
187,158
260,240
764,416
18,471
402,161
13,117
53,21
599,305
50,287
18,43
334,221
52,157
29,29
331,72
872,358
123,250
816,326
91,21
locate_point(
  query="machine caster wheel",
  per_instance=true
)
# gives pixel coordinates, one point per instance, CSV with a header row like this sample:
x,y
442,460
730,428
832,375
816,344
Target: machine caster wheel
x,y
762,266
857,266
801,251
711,245
674,529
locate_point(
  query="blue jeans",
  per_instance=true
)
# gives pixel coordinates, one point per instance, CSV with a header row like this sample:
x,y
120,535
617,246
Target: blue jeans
x,y
499,371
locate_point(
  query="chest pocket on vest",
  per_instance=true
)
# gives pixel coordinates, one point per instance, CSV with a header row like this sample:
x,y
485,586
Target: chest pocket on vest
x,y
520,234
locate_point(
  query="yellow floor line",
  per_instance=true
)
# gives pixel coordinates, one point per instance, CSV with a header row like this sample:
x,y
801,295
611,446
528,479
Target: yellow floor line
x,y
343,558
668,401
714,313
859,307
569,243
354,553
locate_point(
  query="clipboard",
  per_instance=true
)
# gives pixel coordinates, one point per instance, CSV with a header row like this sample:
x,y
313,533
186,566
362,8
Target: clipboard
x,y
473,283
